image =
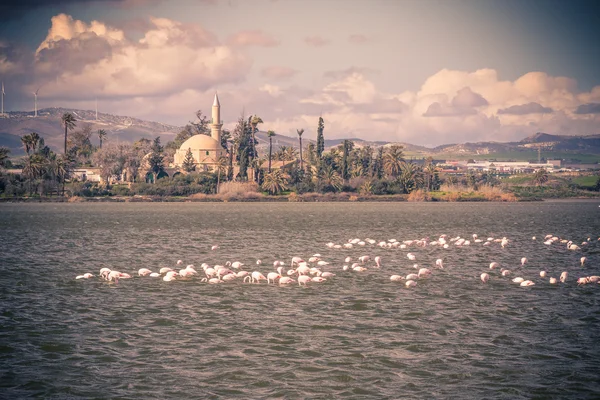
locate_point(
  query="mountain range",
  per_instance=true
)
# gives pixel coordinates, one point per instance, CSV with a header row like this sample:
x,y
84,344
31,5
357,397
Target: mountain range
x,y
47,124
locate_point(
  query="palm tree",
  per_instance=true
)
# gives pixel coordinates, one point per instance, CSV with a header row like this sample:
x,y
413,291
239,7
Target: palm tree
x,y
34,168
221,166
410,176
330,178
540,176
429,170
68,121
275,182
101,135
31,142
392,160
300,132
270,134
3,155
254,121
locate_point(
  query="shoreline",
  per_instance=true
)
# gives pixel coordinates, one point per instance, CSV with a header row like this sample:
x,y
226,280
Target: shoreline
x,y
271,199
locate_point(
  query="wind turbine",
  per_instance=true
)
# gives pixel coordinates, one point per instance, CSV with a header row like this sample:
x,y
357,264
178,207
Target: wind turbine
x,y
2,114
35,101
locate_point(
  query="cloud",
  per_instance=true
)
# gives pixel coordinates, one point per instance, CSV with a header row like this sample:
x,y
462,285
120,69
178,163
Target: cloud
x,y
436,109
316,41
358,39
278,72
252,38
524,109
78,59
589,108
342,74
467,98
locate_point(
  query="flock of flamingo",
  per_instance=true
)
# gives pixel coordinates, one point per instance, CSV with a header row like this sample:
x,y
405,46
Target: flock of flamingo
x,y
313,270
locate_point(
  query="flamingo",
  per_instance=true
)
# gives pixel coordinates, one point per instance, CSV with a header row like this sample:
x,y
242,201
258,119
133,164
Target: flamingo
x,y
523,261
542,274
485,277
296,260
144,272
527,283
303,279
378,261
87,275
215,247
505,272
552,281
284,280
563,277
583,259
154,275
424,273
396,278
257,277
439,263
348,259
271,276
412,277
494,265
518,279
318,279
164,270
411,256
179,262
363,259
410,283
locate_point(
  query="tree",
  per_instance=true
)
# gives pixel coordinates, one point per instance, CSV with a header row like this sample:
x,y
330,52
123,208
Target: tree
x,y
254,121
68,121
330,180
270,134
410,176
220,167
30,142
101,135
300,132
429,172
275,182
378,164
80,144
347,148
320,138
540,176
188,162
4,155
156,159
392,160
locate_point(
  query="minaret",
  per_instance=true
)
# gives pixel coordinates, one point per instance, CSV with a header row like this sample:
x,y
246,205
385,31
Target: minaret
x,y
215,127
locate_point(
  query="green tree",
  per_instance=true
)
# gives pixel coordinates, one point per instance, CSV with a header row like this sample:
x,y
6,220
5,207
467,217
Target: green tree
x,y
540,176
347,148
30,142
330,180
378,164
188,162
300,132
275,182
392,160
101,136
254,121
68,121
410,176
270,134
156,159
220,168
320,138
4,151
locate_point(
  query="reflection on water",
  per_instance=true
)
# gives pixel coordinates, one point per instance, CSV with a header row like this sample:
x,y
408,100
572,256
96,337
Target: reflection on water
x,y
357,335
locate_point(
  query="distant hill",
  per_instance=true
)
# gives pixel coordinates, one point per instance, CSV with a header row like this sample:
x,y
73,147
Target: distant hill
x,y
48,125
128,129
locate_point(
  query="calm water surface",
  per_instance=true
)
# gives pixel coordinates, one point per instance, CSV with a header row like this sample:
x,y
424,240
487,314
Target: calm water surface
x,y
358,335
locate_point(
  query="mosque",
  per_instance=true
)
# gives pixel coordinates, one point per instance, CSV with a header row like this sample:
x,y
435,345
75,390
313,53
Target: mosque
x,y
205,149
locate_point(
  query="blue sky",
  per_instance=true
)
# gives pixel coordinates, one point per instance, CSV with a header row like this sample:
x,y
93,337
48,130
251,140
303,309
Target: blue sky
x,y
425,72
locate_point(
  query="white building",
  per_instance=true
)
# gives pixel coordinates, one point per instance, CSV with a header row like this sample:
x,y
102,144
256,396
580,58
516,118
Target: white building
x,y
205,149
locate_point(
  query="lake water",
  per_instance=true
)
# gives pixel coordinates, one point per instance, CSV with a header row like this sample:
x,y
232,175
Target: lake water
x,y
357,335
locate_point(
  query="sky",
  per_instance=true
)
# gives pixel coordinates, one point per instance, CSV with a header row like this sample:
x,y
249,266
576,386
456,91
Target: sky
x,y
426,72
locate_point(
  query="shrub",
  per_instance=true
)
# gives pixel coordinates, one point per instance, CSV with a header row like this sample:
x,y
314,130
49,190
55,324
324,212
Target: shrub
x,y
419,195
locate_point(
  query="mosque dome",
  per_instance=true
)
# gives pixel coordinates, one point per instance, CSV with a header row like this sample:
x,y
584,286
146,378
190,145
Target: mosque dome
x,y
201,142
